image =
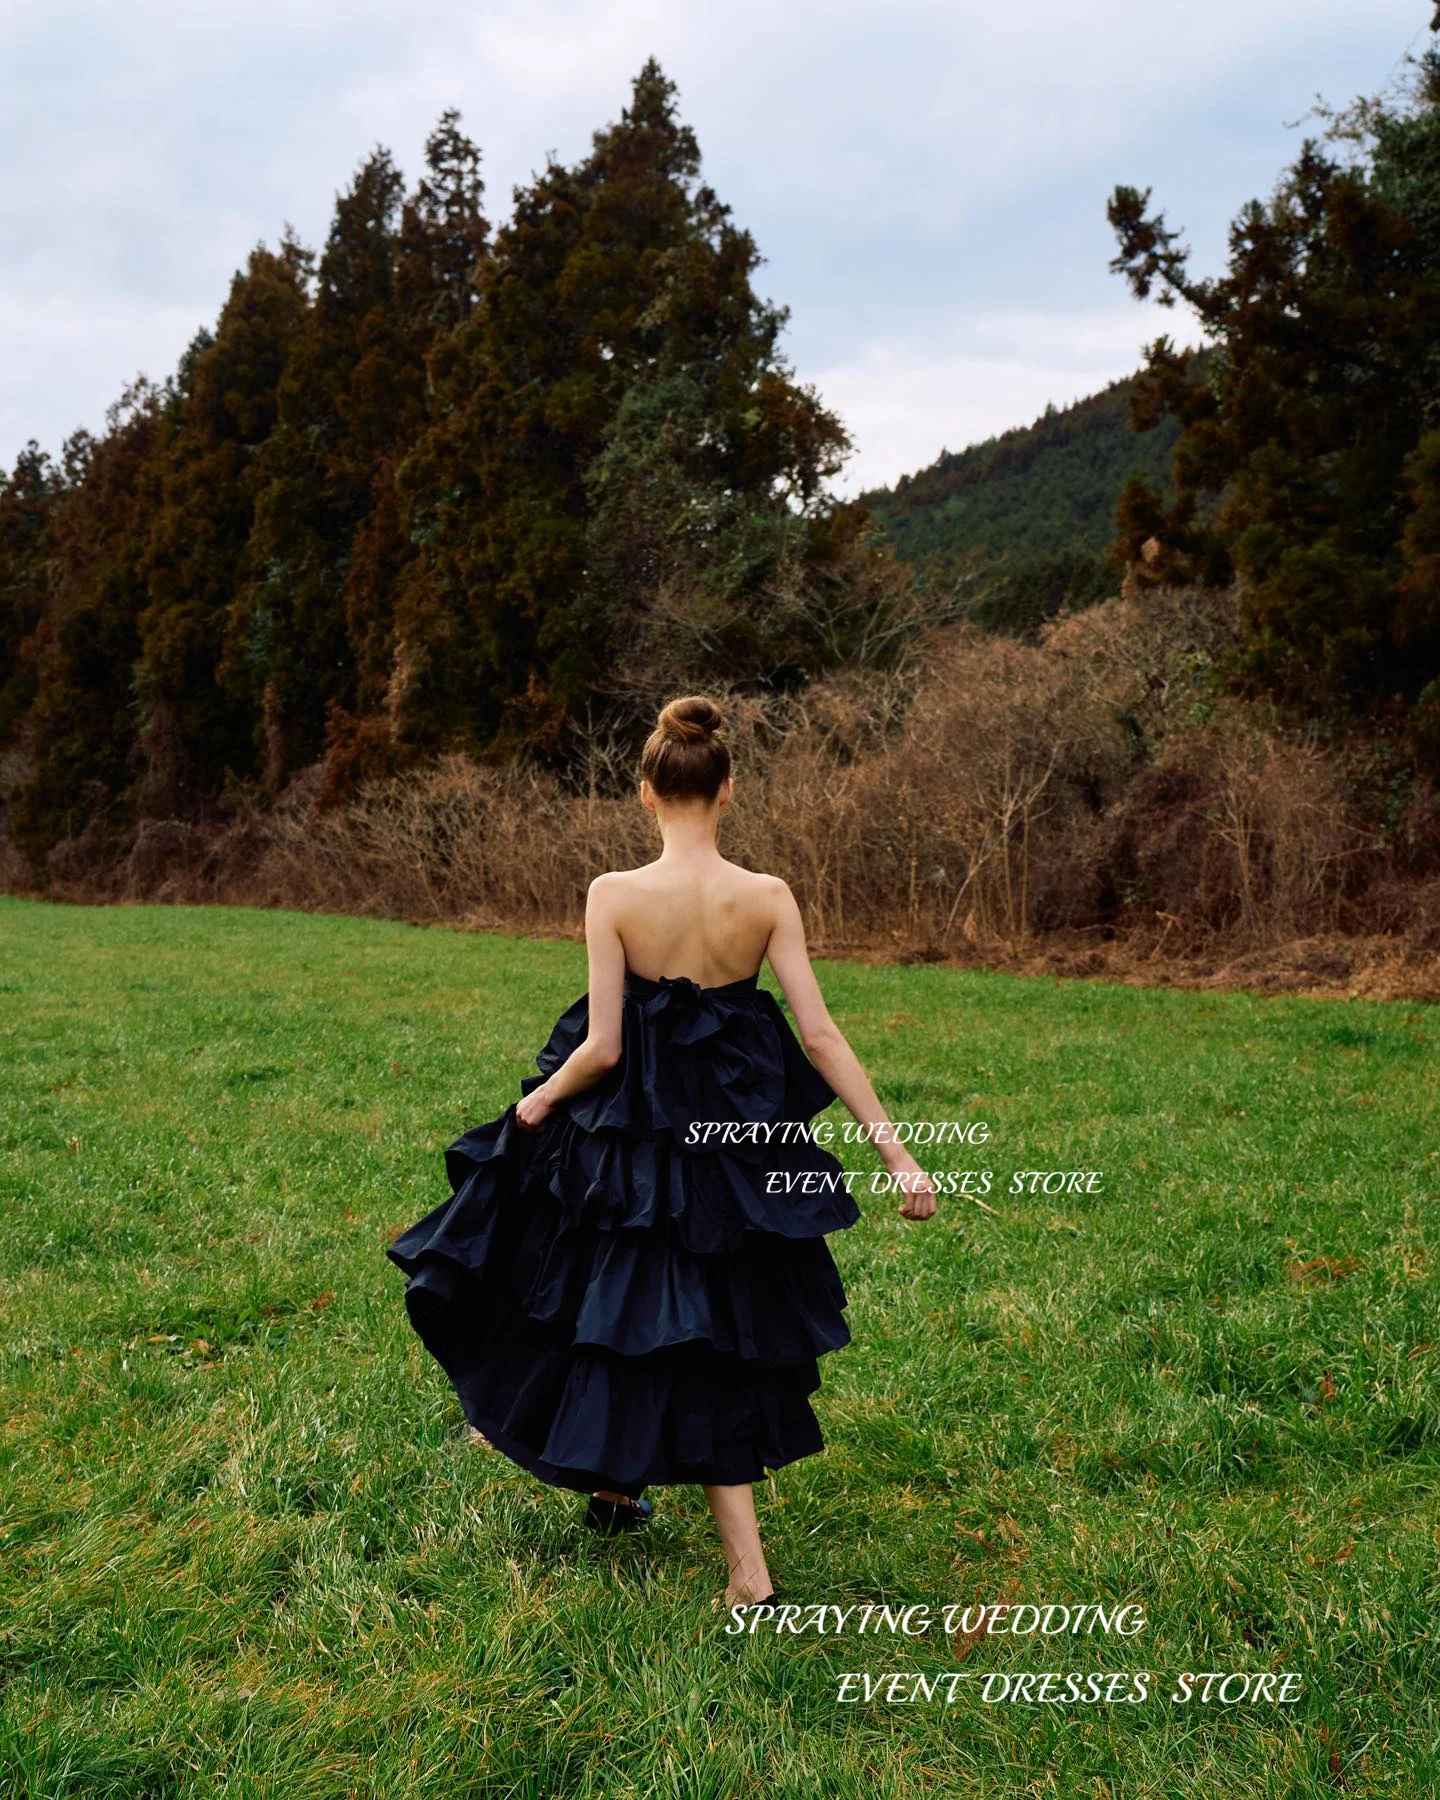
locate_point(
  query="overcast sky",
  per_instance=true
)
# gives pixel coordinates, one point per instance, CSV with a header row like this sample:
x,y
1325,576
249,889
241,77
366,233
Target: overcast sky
x,y
925,178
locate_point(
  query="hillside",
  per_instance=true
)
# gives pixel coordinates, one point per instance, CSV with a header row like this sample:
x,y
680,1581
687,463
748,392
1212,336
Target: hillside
x,y
1042,496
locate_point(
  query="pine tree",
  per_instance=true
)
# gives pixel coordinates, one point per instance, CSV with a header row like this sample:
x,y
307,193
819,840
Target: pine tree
x,y
615,417
1299,464
195,724
80,732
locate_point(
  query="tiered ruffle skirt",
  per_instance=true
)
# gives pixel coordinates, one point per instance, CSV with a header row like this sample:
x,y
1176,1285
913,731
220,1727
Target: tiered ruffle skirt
x,y
626,1299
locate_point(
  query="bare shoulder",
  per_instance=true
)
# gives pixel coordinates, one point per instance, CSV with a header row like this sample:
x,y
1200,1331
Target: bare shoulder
x,y
609,886
788,917
623,888
775,887
770,892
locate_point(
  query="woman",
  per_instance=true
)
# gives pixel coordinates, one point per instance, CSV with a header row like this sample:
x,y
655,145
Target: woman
x,y
630,1284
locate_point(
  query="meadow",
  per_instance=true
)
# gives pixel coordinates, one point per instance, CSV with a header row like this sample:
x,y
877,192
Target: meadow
x,y
248,1547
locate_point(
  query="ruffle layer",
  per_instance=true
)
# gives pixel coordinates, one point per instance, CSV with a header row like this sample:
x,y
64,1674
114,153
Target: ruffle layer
x,y
691,1055
586,1418
573,1261
709,1199
619,1307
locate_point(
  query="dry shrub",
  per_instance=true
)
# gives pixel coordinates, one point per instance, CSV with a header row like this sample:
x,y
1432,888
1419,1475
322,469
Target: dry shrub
x,y
166,856
970,799
951,826
458,839
1403,893
991,797
1232,830
83,867
16,875
1151,653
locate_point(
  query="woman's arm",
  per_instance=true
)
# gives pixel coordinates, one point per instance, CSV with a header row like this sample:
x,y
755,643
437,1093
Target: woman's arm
x,y
827,1048
600,1051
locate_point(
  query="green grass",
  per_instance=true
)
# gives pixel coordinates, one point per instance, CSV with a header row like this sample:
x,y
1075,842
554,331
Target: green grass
x,y
248,1548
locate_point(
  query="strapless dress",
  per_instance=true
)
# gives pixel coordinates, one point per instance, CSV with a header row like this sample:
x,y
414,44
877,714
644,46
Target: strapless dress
x,y
638,1293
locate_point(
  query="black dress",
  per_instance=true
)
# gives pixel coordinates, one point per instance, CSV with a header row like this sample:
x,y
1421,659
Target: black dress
x,y
621,1301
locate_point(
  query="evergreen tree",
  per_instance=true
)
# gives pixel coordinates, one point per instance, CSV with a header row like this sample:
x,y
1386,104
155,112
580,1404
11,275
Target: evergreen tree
x,y
27,495
616,412
194,725
1025,501
444,235
426,491
1305,433
81,728
347,383
442,243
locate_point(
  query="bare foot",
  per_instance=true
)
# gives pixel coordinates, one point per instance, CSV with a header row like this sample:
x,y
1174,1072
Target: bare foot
x,y
733,1505
749,1581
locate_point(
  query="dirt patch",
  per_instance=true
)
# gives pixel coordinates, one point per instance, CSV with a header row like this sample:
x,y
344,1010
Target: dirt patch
x,y
1321,968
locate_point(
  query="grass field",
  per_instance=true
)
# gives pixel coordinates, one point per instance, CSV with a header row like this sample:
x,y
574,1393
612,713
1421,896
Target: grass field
x,y
248,1548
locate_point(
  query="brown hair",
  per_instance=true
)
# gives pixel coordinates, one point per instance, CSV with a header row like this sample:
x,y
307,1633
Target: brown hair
x,y
683,758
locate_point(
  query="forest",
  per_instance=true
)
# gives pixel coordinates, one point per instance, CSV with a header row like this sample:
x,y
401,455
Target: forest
x,y
454,500
434,488
1034,507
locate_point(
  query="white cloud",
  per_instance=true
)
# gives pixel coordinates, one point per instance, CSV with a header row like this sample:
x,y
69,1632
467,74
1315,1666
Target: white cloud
x,y
897,163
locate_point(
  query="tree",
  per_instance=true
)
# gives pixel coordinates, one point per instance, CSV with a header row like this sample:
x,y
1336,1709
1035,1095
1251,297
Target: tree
x,y
425,491
80,730
1299,466
27,495
195,724
346,382
617,316
441,249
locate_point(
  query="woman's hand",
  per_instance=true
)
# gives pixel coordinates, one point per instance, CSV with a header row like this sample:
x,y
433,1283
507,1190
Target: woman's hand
x,y
532,1112
913,1182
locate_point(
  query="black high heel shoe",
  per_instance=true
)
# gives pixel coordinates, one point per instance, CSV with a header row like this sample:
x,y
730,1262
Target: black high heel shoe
x,y
614,1516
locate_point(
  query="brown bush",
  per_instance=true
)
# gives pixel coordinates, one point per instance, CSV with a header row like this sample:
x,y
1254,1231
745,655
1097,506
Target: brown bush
x,y
992,798
1232,830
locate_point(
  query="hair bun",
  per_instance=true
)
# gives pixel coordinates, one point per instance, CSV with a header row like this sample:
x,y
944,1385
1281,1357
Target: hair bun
x,y
685,758
690,720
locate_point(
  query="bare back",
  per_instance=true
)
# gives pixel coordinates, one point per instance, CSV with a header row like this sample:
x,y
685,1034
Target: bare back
x,y
691,914
710,921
